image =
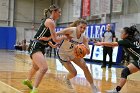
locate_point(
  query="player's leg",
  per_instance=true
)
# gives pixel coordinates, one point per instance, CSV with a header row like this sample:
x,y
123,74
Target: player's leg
x,y
81,63
130,69
32,72
72,73
110,51
104,57
65,60
31,49
39,60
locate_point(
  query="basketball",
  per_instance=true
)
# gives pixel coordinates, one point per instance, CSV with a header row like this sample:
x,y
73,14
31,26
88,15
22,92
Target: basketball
x,y
80,51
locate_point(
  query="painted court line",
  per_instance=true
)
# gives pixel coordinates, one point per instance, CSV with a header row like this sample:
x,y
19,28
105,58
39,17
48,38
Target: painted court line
x,y
6,85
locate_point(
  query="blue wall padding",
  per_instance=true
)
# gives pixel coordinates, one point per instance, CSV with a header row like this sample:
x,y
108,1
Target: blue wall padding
x,y
7,37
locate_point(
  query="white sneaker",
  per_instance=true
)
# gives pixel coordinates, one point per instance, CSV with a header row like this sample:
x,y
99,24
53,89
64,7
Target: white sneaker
x,y
67,81
112,91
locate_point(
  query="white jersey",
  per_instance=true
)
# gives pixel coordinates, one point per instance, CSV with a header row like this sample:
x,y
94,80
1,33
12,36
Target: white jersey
x,y
66,50
68,45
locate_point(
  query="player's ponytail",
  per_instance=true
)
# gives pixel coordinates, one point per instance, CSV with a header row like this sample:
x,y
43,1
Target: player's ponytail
x,y
45,12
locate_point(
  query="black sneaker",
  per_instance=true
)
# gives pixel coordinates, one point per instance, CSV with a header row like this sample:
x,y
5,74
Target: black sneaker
x,y
103,66
109,66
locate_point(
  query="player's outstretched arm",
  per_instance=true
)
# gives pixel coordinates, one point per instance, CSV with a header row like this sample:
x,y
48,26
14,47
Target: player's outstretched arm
x,y
109,44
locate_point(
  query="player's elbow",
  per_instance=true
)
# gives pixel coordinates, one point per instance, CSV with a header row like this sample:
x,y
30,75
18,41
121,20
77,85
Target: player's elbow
x,y
54,40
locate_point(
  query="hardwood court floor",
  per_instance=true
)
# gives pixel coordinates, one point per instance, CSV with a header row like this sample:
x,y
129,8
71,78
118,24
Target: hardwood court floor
x,y
14,67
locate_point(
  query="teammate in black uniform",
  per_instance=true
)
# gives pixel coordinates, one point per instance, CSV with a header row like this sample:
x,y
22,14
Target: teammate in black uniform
x,y
132,47
37,46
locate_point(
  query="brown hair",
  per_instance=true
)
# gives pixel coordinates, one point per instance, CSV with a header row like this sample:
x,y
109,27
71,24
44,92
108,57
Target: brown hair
x,y
77,22
50,9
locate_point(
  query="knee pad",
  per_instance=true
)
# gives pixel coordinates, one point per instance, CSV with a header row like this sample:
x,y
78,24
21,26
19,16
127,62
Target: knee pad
x,y
125,73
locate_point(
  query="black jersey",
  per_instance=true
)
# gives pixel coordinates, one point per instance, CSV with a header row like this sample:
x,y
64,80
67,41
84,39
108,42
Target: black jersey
x,y
132,47
43,31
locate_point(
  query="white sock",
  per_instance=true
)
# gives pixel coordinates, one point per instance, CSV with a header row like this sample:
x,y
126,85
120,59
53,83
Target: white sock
x,y
34,88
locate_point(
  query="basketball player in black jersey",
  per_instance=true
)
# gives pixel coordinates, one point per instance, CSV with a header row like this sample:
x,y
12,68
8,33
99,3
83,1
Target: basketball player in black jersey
x,y
131,45
36,48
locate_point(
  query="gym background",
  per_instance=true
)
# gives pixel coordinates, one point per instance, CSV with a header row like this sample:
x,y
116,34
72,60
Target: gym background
x,y
25,15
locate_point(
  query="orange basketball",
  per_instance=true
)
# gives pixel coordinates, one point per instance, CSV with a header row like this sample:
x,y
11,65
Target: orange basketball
x,y
80,51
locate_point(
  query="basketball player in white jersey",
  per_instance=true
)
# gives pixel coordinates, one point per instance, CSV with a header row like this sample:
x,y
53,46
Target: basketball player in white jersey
x,y
66,51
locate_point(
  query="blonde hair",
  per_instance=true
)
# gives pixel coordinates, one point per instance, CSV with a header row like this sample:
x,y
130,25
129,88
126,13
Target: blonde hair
x,y
77,22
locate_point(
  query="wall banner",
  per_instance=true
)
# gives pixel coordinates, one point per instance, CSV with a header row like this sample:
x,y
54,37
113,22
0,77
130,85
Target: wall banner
x,y
93,31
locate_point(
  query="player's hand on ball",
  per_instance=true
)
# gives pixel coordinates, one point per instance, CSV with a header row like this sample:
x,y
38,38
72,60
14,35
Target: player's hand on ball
x,y
80,51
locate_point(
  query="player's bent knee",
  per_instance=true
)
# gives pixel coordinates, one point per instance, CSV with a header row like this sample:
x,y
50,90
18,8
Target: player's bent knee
x,y
125,73
74,73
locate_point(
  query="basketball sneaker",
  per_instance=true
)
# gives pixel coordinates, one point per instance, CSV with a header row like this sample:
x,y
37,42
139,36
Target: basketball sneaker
x,y
67,81
28,83
112,91
34,90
